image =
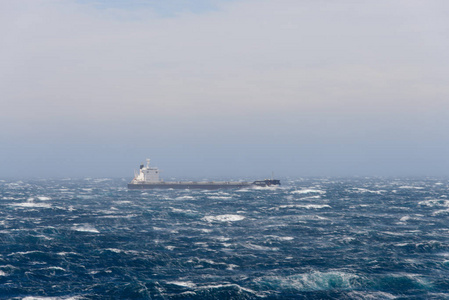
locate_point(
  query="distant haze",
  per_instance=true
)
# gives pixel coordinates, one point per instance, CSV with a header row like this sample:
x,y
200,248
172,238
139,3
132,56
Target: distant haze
x,y
224,88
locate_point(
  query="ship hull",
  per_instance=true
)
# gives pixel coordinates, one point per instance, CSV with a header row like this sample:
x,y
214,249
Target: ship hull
x,y
205,186
201,185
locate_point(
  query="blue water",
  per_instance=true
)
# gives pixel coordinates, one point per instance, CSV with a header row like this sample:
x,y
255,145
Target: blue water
x,y
325,238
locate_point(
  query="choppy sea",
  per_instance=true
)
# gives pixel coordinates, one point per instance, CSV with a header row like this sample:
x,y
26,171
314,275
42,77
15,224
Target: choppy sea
x,y
321,238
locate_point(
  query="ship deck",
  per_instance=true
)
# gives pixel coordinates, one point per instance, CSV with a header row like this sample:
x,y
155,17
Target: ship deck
x,y
188,185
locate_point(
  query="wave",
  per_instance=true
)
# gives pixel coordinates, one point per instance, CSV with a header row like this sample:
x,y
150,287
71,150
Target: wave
x,y
280,238
307,206
362,190
184,198
32,205
368,295
85,228
219,197
411,187
225,291
52,298
434,203
308,191
224,218
260,248
315,281
187,284
328,240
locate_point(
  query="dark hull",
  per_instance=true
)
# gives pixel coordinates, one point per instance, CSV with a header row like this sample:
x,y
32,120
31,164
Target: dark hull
x,y
143,186
202,185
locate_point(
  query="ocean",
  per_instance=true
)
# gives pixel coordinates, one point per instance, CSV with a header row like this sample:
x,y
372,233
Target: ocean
x,y
311,238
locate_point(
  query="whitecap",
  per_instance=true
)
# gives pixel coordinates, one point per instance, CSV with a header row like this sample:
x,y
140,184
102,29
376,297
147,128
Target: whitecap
x,y
441,212
66,253
85,228
43,198
114,250
280,238
347,239
220,286
86,197
224,218
404,218
187,284
55,268
99,180
434,203
184,211
315,281
202,244
261,248
24,253
211,262
32,204
411,187
307,206
371,295
218,194
188,294
393,233
361,190
271,187
308,191
302,218
122,202
311,197
52,298
44,237
185,198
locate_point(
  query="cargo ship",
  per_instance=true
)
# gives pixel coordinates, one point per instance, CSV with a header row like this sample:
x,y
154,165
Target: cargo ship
x,y
148,178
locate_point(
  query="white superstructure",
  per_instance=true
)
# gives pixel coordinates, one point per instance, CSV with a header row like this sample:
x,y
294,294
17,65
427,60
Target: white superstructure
x,y
147,174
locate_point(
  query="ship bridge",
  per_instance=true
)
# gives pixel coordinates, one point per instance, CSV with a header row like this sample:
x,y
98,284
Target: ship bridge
x,y
147,174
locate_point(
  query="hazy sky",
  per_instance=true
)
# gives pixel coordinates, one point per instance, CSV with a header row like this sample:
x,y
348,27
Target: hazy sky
x,y
224,88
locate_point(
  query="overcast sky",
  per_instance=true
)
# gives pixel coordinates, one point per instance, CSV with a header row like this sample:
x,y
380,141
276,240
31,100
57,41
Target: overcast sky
x,y
224,88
